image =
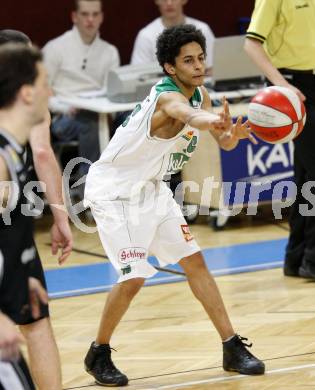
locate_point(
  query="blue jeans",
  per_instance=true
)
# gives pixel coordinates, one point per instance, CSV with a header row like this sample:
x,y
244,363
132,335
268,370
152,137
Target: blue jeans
x,y
82,127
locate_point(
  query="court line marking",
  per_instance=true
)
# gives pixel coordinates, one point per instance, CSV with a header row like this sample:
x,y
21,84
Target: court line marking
x,y
195,371
230,378
219,272
90,290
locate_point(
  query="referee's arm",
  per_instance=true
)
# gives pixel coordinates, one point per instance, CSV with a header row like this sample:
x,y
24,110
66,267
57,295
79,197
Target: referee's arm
x,y
255,50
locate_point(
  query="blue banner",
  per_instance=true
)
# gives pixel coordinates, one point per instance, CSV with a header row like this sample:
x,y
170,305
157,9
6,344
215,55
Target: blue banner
x,y
262,172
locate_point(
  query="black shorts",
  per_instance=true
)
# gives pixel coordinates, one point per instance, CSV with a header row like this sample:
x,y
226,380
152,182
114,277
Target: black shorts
x,y
20,260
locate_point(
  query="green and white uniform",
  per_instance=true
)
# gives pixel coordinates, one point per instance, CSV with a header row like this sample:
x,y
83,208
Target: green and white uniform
x,y
133,208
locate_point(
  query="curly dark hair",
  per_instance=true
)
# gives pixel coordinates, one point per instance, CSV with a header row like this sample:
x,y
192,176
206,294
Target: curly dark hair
x,y
170,41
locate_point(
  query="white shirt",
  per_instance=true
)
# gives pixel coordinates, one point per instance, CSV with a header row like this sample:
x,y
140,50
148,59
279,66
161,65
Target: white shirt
x,y
134,157
67,55
145,45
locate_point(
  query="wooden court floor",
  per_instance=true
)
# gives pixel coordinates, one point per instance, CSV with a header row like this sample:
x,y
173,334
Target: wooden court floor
x,y
165,341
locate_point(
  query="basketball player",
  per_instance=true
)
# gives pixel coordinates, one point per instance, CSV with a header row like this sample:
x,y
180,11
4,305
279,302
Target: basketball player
x,y
23,104
37,331
134,209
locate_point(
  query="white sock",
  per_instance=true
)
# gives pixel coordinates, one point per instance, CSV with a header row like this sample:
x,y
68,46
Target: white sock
x,y
228,339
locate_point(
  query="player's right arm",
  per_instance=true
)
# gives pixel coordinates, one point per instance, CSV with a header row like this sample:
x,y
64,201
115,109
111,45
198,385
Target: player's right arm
x,y
176,106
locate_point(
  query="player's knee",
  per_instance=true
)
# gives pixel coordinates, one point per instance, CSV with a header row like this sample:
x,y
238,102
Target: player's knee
x,y
131,287
193,264
33,329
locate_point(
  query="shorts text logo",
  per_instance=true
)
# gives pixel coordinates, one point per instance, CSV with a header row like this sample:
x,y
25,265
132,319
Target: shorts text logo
x,y
131,255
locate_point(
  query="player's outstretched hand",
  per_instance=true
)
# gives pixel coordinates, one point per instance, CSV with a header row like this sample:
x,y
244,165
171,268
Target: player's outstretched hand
x,y
61,238
224,124
10,340
38,295
242,130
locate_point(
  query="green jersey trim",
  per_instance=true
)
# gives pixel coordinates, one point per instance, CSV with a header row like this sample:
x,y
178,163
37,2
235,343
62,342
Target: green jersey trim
x,y
167,84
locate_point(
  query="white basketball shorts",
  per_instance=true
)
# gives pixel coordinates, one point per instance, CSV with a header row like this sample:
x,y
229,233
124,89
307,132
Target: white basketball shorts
x,y
130,230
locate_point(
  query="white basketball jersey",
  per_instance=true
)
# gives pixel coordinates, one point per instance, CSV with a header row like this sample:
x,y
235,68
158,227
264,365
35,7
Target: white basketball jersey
x,y
133,156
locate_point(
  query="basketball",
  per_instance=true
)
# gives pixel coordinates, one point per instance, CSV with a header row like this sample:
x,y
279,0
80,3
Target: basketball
x,y
276,115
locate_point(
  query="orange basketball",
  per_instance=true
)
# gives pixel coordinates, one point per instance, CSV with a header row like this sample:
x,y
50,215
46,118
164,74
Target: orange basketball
x,y
276,115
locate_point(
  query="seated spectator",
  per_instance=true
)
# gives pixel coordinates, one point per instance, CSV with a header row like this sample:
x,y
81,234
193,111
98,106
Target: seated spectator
x,y
172,14
79,61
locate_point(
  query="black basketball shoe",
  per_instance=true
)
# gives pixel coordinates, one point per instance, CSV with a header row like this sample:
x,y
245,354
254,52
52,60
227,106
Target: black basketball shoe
x,y
307,271
98,363
237,358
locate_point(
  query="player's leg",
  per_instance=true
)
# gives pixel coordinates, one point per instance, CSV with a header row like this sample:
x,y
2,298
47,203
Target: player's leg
x,y
128,256
14,298
117,303
173,241
235,355
43,353
98,361
206,291
40,340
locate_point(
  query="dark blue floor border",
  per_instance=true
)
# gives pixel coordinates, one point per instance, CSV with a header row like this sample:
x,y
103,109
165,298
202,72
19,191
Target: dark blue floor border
x,y
100,277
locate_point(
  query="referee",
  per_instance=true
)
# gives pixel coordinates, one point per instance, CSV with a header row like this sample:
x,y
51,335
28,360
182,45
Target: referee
x,y
281,41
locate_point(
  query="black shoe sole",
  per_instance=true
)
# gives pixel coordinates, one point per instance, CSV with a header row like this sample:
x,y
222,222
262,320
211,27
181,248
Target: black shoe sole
x,y
289,272
305,274
104,384
245,372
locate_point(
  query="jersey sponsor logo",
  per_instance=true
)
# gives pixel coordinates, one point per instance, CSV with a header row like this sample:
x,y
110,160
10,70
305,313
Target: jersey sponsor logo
x,y
186,233
192,145
179,159
132,255
176,162
188,136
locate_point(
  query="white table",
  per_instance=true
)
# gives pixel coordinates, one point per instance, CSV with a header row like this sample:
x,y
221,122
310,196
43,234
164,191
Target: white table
x,y
103,106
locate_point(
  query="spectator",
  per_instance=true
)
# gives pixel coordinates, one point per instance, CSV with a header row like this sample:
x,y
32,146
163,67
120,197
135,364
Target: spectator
x,y
79,61
172,14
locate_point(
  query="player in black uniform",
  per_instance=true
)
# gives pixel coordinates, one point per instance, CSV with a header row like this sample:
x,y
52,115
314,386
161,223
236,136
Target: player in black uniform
x,y
23,103
38,332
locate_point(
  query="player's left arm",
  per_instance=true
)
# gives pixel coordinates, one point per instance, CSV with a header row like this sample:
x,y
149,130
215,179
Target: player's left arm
x,y
228,140
4,189
48,171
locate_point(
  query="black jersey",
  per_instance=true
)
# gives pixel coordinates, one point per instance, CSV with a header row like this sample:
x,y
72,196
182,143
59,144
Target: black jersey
x,y
20,166
18,254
